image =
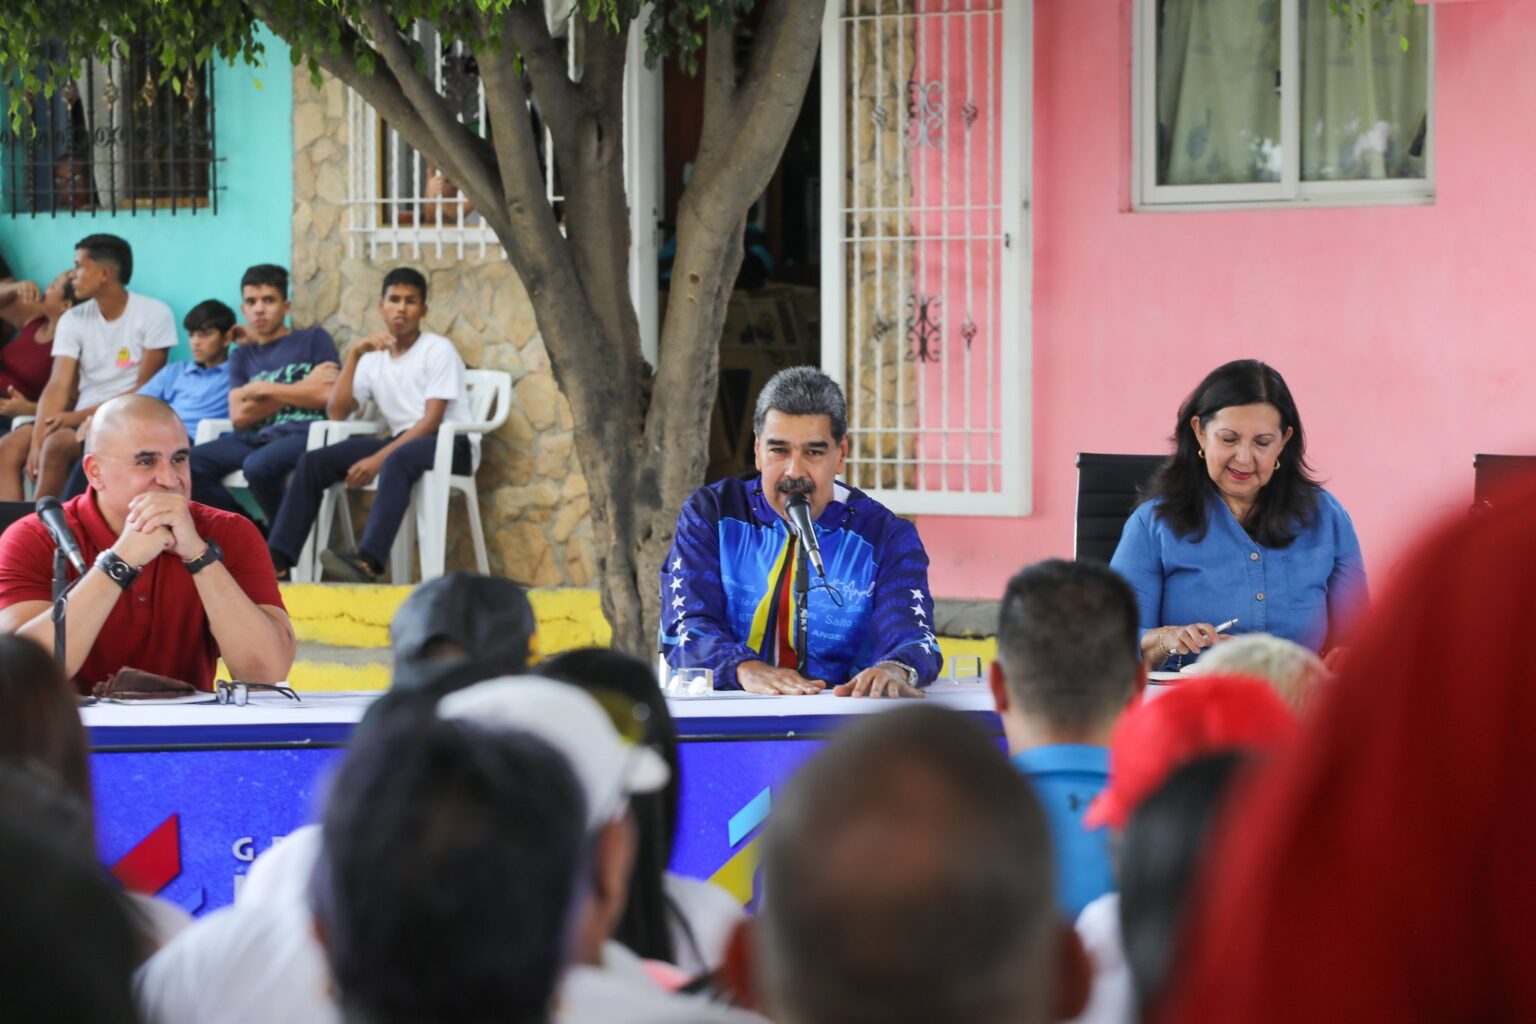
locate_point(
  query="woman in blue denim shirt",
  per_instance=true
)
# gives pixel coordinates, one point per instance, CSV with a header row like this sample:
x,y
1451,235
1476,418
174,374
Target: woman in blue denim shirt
x,y
1235,527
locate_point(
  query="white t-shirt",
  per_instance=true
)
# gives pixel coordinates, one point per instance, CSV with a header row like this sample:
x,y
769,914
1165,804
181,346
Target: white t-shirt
x,y
620,992
711,915
400,386
109,351
1112,1000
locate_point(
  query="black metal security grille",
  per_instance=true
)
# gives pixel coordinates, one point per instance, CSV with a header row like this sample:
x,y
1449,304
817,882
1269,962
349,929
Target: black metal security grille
x,y
115,139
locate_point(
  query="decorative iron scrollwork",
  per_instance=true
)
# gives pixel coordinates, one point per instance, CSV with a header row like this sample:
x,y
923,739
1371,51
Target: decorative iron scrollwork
x,y
925,327
925,115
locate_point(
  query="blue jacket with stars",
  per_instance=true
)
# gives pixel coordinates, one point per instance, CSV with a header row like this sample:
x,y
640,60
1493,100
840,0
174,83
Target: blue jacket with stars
x,y
731,549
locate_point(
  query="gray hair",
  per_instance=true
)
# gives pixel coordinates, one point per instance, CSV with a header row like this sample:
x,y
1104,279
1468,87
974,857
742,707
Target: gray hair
x,y
1291,670
803,391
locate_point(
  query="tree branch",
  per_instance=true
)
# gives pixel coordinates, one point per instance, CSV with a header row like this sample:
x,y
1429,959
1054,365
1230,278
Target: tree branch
x,y
560,99
719,96
477,181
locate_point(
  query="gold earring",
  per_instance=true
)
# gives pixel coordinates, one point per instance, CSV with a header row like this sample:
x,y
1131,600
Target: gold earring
x,y
1202,453
1277,463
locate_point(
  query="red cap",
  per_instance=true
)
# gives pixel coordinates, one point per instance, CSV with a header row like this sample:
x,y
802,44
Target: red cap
x,y
1203,716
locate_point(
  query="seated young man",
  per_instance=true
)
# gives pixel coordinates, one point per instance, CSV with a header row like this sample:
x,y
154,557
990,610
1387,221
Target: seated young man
x,y
108,345
417,381
197,389
279,381
172,586
1067,666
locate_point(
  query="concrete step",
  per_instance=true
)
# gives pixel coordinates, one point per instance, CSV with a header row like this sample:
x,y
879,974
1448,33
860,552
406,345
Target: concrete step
x,y
343,631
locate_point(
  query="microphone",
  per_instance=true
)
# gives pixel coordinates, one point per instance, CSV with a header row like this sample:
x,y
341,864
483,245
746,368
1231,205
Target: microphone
x,y
52,514
799,510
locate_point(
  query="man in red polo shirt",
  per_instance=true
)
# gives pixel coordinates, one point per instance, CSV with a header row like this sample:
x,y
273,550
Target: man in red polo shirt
x,y
173,585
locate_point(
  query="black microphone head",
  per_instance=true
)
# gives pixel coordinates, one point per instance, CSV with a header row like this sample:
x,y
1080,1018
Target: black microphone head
x,y
796,499
47,502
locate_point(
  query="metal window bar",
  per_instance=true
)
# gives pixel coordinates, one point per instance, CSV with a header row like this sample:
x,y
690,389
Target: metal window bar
x,y
116,139
923,226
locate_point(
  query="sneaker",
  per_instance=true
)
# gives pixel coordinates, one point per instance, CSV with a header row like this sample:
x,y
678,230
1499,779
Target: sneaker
x,y
349,566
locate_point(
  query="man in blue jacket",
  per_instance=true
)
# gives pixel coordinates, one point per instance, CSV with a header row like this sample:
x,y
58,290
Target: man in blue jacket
x,y
728,586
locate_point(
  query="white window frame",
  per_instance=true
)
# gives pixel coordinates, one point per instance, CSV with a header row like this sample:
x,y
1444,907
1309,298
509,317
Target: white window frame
x,y
1015,271
1290,191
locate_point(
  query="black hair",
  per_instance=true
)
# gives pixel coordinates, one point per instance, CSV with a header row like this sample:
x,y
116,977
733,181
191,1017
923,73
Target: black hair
x,y
111,251
909,828
1285,505
1067,641
68,291
1164,842
408,276
266,274
646,924
56,897
209,315
450,869
40,725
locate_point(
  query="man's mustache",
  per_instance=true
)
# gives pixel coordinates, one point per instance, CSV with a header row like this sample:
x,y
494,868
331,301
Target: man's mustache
x,y
796,485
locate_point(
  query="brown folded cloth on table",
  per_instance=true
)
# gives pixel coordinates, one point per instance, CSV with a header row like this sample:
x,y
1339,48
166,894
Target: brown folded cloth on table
x,y
136,684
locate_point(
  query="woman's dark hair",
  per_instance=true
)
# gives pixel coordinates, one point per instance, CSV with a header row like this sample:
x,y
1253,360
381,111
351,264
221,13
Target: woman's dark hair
x,y
645,926
1285,504
1161,852
40,724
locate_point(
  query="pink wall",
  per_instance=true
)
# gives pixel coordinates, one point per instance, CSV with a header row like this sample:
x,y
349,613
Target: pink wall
x,y
1404,332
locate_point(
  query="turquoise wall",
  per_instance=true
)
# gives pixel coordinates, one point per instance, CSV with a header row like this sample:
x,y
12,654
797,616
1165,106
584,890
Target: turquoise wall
x,y
189,257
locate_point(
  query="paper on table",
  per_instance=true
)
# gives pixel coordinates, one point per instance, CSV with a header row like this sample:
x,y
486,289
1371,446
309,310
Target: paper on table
x,y
190,698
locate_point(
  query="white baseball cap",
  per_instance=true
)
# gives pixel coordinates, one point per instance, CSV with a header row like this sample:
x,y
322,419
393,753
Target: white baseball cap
x,y
569,719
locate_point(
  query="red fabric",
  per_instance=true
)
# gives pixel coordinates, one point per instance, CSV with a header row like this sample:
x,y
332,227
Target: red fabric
x,y
159,624
1382,870
24,364
1205,715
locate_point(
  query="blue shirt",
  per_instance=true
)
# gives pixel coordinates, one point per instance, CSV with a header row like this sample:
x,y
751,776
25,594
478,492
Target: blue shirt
x,y
288,360
729,560
1066,777
1295,592
197,393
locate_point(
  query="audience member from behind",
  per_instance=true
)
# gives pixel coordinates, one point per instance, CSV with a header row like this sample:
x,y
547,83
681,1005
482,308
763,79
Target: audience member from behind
x,y
459,629
451,865
1382,871
1294,672
1067,666
907,878
607,983
1160,857
67,941
669,917
279,382
172,585
26,361
108,345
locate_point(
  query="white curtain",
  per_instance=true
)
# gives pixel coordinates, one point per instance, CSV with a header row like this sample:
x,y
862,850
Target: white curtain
x,y
1363,106
1218,112
109,124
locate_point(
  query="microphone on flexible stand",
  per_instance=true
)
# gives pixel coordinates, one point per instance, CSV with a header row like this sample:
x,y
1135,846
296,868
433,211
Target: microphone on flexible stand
x,y
799,510
52,514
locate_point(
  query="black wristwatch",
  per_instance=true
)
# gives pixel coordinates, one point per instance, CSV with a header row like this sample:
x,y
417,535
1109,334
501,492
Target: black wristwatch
x,y
212,554
116,570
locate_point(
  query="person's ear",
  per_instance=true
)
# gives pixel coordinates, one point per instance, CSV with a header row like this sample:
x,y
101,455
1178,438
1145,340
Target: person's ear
x,y
999,686
92,466
1074,975
1194,424
737,974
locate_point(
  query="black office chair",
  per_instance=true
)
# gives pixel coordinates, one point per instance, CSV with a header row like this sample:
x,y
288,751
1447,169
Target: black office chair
x,y
1107,487
1493,473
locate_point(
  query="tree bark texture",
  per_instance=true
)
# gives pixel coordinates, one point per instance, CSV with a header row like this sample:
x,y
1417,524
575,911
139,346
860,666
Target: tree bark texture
x,y
641,435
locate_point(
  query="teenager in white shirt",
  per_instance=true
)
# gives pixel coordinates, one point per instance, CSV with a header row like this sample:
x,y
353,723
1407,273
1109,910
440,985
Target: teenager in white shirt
x,y
109,344
417,381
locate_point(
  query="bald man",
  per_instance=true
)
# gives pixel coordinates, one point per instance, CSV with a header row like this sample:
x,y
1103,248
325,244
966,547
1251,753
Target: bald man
x,y
173,585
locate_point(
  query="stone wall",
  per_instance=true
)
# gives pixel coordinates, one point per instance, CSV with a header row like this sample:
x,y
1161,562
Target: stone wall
x,y
533,496
880,270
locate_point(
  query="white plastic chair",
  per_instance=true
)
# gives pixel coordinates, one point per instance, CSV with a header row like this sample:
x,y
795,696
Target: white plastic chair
x,y
304,571
489,401
28,487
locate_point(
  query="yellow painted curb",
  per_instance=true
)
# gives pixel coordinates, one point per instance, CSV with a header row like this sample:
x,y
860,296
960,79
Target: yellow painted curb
x,y
347,615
